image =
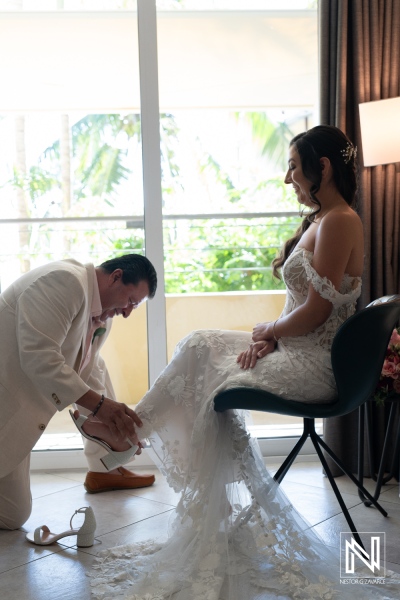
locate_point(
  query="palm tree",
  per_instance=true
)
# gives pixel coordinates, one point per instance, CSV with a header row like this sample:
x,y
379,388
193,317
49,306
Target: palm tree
x,y
100,154
273,137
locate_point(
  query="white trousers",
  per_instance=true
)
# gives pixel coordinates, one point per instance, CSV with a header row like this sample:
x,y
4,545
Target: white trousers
x,y
15,492
15,497
15,489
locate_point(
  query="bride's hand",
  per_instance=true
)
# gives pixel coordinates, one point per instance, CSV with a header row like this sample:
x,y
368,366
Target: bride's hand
x,y
249,357
262,332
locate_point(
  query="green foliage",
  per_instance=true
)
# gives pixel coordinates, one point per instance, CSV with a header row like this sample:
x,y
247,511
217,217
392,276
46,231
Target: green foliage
x,y
234,257
273,137
104,174
100,153
210,165
201,255
35,183
169,135
214,256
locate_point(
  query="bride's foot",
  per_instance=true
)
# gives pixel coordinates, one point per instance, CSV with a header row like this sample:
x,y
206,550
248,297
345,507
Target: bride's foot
x,y
99,430
100,434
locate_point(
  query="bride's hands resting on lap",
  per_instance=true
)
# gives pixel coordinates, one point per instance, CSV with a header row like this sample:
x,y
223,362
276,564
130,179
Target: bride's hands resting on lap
x,y
262,331
256,350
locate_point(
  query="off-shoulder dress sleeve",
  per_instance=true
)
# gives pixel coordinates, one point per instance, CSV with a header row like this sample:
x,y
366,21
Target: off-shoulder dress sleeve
x,y
325,288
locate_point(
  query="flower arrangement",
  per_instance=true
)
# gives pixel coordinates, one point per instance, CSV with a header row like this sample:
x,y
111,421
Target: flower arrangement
x,y
389,381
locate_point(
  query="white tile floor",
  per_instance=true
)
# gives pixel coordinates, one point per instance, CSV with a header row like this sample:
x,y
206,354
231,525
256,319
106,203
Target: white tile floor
x,y
58,572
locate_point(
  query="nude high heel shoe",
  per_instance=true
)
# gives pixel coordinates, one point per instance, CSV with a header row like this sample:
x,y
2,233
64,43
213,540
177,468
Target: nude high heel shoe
x,y
42,536
113,459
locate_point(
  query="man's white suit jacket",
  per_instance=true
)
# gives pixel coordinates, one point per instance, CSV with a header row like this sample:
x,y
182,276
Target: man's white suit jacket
x,y
44,320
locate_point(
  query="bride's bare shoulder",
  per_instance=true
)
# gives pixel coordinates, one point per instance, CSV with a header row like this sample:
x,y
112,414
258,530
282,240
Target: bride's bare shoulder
x,y
342,217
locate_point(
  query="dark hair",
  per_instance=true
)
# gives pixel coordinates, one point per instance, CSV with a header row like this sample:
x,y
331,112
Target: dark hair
x,y
322,141
135,268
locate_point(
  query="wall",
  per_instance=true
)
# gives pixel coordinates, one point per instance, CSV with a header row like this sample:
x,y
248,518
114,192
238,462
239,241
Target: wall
x,y
125,351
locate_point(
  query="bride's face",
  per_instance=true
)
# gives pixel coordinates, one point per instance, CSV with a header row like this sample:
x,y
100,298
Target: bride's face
x,y
295,176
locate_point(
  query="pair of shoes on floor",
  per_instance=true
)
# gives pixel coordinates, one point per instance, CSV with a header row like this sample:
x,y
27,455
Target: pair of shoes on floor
x,y
124,480
113,459
42,536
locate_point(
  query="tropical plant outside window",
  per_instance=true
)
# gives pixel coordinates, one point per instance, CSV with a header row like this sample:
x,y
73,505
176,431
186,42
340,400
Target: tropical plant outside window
x,y
91,168
214,162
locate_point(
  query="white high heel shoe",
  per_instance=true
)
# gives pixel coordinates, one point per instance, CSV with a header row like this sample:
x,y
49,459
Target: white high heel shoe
x,y
42,536
113,459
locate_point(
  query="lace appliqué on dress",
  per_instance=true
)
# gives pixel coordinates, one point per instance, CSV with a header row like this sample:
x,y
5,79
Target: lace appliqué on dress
x,y
298,273
325,287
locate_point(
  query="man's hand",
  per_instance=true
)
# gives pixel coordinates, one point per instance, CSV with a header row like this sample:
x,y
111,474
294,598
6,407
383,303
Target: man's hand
x,y
119,418
249,357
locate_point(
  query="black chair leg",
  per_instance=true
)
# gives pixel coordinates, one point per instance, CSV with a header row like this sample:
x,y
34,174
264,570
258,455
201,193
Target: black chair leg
x,y
349,474
381,479
367,410
287,463
337,493
360,469
309,430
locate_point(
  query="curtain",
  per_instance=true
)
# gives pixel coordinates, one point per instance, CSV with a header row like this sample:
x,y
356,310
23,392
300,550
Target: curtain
x,y
359,51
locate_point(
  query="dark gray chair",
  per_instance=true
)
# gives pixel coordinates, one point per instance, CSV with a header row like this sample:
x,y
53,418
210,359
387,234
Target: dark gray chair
x,y
366,417
358,352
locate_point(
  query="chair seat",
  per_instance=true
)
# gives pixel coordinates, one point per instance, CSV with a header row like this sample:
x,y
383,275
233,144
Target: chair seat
x,y
260,400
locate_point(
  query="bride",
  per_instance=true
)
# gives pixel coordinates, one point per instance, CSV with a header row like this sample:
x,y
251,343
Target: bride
x,y
235,536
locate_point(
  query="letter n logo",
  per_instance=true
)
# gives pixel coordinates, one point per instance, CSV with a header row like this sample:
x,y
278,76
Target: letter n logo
x,y
351,550
372,560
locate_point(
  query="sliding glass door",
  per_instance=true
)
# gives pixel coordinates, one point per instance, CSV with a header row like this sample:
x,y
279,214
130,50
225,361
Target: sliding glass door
x,y
158,127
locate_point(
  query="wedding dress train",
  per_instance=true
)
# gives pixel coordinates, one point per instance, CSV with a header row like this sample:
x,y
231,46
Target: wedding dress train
x,y
234,535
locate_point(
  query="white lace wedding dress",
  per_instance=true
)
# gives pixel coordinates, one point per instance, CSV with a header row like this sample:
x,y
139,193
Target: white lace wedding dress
x,y
234,535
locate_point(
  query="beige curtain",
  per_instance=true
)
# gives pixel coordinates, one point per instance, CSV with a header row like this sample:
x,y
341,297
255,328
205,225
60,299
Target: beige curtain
x,y
359,48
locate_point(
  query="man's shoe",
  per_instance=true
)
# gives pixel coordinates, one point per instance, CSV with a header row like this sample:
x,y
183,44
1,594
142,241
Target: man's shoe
x,y
105,482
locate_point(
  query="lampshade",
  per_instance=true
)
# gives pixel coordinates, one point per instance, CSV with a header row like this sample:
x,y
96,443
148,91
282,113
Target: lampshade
x,y
380,131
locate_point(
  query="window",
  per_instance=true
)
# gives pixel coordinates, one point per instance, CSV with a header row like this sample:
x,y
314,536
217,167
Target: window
x,y
239,83
230,75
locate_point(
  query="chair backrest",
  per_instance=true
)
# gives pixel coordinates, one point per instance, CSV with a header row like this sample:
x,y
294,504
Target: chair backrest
x,y
359,348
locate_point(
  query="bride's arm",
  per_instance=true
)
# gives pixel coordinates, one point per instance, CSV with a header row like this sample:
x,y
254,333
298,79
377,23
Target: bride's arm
x,y
338,236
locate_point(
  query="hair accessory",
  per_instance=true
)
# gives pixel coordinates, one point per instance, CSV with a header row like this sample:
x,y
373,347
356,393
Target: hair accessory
x,y
348,153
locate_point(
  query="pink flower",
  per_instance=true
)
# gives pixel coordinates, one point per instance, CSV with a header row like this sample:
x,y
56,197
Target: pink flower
x,y
389,382
395,338
389,369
